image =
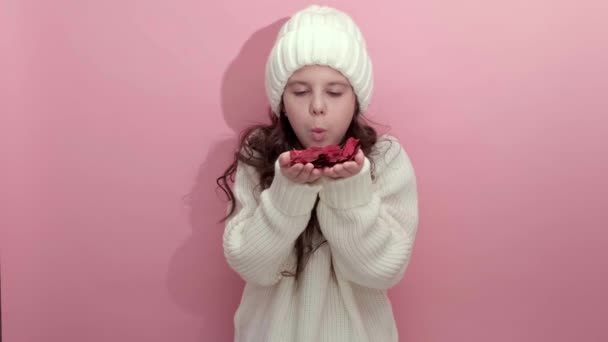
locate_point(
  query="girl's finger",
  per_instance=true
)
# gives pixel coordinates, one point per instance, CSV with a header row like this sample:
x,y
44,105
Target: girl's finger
x,y
359,157
341,171
314,175
305,174
346,173
295,170
284,159
351,167
329,172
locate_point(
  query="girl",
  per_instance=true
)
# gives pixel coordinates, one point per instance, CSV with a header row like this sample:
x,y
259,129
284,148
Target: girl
x,y
318,248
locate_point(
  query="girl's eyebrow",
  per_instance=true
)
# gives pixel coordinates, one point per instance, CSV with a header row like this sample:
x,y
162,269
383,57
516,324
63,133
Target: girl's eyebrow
x,y
291,83
337,83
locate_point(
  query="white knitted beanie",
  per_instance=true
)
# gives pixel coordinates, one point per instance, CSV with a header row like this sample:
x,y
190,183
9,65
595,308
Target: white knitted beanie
x,y
319,35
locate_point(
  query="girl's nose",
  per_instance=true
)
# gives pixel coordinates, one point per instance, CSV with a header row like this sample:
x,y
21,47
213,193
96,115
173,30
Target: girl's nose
x,y
318,105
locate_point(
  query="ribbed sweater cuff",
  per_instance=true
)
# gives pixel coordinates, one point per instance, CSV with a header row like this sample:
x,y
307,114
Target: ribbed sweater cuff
x,y
350,192
292,198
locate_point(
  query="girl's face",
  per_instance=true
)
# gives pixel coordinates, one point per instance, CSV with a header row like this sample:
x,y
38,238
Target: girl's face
x,y
319,103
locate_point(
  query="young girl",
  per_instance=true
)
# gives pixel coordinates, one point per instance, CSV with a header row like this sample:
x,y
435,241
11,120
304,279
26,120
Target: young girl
x,y
318,247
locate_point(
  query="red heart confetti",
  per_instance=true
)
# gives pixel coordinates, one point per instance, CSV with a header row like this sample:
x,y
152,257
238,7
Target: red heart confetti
x,y
326,156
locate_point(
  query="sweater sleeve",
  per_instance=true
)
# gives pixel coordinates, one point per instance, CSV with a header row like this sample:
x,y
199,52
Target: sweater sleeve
x,y
371,230
259,237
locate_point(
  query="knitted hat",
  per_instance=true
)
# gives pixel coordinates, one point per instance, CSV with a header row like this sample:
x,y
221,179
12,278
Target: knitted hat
x,y
319,35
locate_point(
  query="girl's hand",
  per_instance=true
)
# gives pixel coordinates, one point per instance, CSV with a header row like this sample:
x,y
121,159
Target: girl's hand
x,y
298,173
345,169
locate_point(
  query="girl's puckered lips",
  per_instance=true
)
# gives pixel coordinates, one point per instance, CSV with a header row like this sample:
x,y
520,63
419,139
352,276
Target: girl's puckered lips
x,y
318,134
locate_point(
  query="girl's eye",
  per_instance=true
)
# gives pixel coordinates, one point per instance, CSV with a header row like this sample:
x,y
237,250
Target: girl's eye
x,y
304,92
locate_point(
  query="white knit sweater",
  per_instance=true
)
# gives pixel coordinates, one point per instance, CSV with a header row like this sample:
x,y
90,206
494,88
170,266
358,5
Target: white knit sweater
x,y
370,228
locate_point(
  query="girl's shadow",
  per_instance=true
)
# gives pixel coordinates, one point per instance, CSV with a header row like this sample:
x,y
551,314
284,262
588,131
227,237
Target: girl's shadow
x,y
199,280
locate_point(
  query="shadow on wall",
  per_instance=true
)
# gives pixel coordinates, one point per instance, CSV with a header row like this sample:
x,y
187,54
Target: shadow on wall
x,y
199,279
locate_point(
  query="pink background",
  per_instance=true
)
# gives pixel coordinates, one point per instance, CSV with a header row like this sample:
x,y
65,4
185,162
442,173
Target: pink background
x,y
113,110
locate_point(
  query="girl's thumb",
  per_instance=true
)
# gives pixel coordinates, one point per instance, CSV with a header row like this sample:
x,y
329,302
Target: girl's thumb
x,y
284,159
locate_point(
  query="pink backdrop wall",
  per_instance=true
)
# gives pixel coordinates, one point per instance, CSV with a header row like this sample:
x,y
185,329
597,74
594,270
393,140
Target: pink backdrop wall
x,y
113,110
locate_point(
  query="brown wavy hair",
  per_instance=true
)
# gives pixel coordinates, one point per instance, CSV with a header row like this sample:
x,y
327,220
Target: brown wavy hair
x,y
260,145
